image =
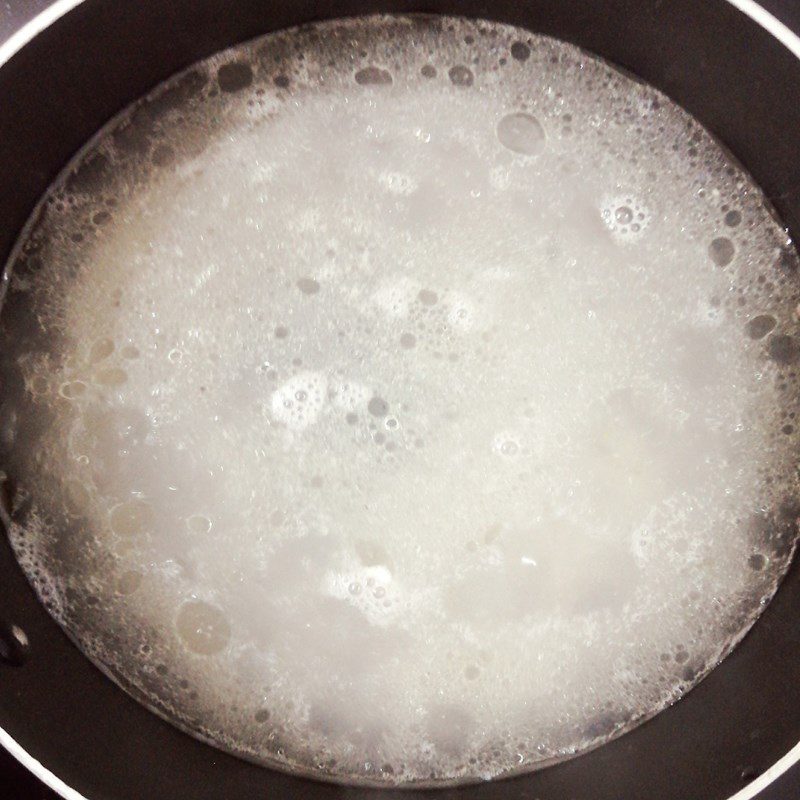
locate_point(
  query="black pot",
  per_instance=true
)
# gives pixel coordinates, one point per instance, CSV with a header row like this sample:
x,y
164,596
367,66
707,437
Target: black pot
x,y
90,59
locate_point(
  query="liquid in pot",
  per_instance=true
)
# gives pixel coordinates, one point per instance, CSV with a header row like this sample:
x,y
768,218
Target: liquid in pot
x,y
403,400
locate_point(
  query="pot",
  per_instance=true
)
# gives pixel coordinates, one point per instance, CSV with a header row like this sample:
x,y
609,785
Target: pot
x,y
728,62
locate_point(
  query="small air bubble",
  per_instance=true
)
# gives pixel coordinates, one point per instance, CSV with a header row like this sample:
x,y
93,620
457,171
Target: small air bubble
x,y
308,286
521,133
234,77
760,326
520,51
721,251
129,582
72,389
101,218
131,518
203,628
378,407
623,215
733,218
373,76
509,448
782,349
101,350
39,384
461,75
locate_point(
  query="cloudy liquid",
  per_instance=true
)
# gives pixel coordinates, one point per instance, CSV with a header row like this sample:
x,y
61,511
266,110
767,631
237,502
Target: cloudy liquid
x,y
403,400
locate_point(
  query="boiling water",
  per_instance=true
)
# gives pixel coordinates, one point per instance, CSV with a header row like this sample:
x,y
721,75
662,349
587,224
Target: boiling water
x,y
403,400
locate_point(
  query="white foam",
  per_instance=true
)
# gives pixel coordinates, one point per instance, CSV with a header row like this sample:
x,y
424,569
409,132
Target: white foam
x,y
626,217
299,402
371,411
352,396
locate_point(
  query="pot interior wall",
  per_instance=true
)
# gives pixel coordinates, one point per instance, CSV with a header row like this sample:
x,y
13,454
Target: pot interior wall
x,y
90,64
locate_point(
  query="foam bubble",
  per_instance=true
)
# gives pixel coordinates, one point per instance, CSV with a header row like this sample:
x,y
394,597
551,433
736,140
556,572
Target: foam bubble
x,y
101,350
378,407
373,76
129,582
202,627
308,285
521,133
520,51
758,327
299,402
131,518
234,76
461,76
395,298
351,395
72,389
625,216
721,251
461,311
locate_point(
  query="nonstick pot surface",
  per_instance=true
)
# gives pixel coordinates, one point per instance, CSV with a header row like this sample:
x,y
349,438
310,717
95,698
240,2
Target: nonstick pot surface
x,y
716,62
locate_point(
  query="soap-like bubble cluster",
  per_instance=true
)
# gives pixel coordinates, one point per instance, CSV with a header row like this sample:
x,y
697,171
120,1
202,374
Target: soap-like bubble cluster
x,y
300,401
403,400
625,217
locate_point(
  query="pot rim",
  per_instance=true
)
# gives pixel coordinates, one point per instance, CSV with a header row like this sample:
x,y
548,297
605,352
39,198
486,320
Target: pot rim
x,y
43,20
